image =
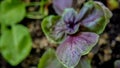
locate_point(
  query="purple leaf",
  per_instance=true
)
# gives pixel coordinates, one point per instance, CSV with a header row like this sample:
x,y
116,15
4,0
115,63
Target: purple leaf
x,y
70,51
69,17
94,16
60,5
54,29
107,12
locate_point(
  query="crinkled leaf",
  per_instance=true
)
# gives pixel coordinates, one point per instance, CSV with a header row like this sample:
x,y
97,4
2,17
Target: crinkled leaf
x,y
60,5
70,51
54,29
15,44
117,64
12,12
49,60
69,17
94,16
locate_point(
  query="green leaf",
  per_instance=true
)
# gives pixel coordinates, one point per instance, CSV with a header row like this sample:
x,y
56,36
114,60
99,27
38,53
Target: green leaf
x,y
12,11
15,44
49,60
54,29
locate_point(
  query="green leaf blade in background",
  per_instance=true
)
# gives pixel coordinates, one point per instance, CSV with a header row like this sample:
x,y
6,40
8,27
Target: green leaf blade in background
x,y
49,60
15,44
12,12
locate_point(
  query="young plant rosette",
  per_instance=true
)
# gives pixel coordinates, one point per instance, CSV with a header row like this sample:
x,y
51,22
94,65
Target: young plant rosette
x,y
76,32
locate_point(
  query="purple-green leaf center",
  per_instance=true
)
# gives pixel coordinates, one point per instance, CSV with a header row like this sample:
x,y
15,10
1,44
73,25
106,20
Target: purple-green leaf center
x,y
70,25
70,21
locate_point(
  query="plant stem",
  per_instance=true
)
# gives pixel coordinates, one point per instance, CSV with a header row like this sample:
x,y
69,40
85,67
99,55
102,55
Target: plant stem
x,y
33,4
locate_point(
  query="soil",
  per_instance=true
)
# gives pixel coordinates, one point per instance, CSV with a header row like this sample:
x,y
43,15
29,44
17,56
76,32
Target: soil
x,y
104,54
